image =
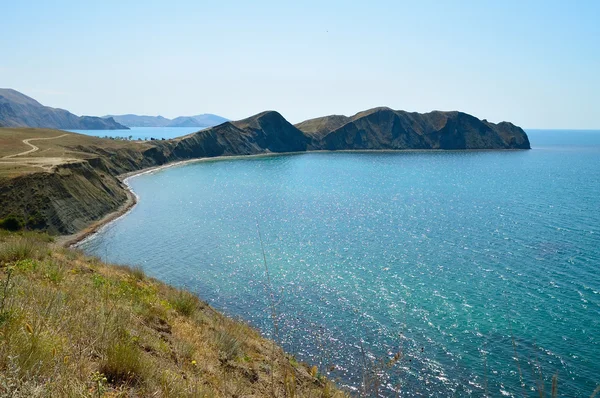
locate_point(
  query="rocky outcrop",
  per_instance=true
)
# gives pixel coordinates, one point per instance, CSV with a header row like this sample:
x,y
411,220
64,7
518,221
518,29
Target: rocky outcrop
x,y
19,110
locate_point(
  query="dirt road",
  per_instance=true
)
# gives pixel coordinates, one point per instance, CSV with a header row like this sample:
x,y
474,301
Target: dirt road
x,y
33,147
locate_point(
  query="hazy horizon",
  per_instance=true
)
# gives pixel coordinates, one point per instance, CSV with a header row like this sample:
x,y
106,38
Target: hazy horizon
x,y
532,64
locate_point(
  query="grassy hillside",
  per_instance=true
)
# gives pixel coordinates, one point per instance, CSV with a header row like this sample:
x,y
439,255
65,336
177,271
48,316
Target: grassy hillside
x,y
321,126
62,182
385,128
73,326
55,147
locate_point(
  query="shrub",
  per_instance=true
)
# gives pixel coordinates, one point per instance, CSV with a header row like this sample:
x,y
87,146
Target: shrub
x,y
34,351
229,346
27,265
16,250
36,221
185,303
11,223
123,363
138,273
54,272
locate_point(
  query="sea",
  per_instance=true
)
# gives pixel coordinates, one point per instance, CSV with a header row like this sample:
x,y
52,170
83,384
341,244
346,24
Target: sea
x,y
433,273
141,133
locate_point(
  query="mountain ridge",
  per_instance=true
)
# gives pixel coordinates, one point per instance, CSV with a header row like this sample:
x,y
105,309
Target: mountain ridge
x,y
385,128
201,120
19,110
375,128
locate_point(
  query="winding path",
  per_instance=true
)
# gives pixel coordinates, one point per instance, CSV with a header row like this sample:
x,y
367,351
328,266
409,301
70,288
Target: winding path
x,y
33,147
46,163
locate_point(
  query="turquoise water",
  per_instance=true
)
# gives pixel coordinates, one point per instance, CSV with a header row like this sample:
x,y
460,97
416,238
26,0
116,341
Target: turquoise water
x,y
142,133
447,257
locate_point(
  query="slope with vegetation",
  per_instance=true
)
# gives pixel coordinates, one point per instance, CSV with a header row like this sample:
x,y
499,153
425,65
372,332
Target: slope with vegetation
x,y
71,325
385,128
69,182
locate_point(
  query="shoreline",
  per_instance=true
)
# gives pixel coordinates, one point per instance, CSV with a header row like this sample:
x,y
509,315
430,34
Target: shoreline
x,y
71,241
79,237
75,239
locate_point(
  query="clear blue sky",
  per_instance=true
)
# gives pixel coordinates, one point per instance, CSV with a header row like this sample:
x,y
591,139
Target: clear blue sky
x,y
536,63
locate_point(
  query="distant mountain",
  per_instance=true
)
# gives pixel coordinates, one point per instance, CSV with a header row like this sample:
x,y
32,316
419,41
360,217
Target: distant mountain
x,y
130,120
204,120
208,119
19,110
187,121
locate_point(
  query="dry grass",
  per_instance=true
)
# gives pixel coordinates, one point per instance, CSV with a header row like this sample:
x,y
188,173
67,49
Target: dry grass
x,y
73,326
51,151
11,142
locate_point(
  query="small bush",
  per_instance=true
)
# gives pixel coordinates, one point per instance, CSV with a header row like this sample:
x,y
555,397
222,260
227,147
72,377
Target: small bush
x,y
13,251
27,265
185,303
155,316
37,356
123,364
54,272
36,221
229,346
185,350
11,223
138,273
99,281
39,237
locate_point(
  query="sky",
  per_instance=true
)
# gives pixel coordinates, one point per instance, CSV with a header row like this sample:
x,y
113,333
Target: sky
x,y
534,63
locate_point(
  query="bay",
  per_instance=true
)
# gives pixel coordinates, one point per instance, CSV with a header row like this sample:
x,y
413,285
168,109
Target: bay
x,y
481,268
